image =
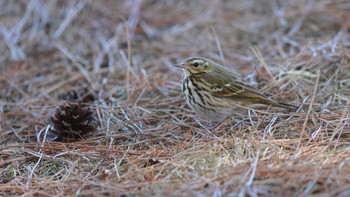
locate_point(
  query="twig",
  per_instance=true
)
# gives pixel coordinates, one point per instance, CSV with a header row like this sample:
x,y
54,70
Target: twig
x,y
218,44
32,171
311,104
258,54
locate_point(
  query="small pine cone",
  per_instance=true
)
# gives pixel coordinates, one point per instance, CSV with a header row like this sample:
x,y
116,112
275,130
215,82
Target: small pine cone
x,y
83,94
72,120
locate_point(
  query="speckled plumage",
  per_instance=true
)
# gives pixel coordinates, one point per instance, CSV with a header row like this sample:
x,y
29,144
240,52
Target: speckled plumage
x,y
212,90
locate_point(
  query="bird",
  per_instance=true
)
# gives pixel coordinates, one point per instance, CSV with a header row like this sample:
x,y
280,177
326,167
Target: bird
x,y
212,90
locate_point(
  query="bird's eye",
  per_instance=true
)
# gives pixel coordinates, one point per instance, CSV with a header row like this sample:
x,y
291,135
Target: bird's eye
x,y
196,64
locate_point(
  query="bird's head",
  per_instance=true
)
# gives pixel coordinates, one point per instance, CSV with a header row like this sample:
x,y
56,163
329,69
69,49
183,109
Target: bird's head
x,y
196,66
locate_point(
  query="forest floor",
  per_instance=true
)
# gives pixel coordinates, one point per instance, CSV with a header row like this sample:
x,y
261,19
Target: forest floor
x,y
118,58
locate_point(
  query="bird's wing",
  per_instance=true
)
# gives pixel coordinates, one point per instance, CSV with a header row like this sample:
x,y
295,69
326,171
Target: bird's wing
x,y
233,88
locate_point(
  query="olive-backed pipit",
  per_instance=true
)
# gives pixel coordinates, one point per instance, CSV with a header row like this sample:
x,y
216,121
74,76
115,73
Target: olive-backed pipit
x,y
212,90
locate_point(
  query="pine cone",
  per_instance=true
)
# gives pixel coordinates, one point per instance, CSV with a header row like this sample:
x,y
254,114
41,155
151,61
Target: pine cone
x,y
84,94
72,120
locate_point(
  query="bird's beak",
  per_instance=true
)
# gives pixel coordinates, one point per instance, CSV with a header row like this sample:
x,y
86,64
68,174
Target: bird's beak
x,y
182,65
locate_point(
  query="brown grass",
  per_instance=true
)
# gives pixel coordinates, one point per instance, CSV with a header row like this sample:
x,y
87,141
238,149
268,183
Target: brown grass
x,y
148,143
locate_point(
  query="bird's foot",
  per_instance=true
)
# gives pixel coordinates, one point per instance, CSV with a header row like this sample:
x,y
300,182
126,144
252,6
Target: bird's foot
x,y
217,127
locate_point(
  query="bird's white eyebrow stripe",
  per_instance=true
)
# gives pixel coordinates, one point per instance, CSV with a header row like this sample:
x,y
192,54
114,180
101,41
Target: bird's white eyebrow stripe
x,y
199,61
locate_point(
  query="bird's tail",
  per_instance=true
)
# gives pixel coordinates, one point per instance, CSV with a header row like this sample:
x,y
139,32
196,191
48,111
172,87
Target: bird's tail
x,y
280,104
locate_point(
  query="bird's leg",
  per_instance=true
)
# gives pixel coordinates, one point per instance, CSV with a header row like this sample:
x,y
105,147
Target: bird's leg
x,y
216,128
203,126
